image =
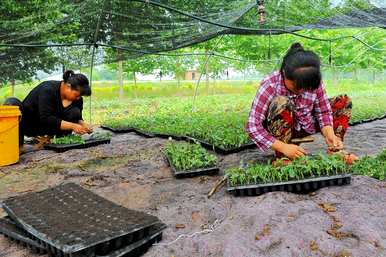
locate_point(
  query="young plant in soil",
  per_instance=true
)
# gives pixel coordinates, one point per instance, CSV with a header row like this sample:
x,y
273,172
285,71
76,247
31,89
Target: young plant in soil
x,y
66,140
306,167
185,156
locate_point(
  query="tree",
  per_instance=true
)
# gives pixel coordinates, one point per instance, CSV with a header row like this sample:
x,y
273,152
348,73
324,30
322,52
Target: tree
x,y
19,19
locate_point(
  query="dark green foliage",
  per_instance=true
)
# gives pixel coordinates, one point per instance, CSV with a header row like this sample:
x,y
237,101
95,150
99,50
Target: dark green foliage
x,y
185,156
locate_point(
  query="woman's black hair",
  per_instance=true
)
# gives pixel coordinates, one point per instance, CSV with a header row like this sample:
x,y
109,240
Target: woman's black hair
x,y
78,82
302,67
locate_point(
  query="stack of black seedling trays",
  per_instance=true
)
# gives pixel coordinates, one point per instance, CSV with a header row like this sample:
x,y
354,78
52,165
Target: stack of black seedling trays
x,y
69,221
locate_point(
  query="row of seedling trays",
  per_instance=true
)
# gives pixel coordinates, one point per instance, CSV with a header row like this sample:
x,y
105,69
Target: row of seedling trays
x,y
70,221
203,143
300,176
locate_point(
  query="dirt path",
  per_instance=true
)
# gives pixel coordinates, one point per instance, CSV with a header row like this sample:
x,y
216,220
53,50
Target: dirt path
x,y
131,171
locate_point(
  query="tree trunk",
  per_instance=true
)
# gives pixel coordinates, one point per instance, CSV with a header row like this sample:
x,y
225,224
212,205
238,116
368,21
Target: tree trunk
x,y
120,78
13,83
135,78
374,75
177,73
356,74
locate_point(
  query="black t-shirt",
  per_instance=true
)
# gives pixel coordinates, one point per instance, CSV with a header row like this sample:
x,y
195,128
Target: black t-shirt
x,y
43,109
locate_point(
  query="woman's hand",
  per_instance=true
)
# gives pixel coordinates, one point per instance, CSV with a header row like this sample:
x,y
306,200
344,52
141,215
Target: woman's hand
x,y
334,143
86,126
290,150
79,129
293,151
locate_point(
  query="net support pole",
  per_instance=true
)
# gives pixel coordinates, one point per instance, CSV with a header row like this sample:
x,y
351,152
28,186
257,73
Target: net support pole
x,y
95,45
198,82
91,70
199,78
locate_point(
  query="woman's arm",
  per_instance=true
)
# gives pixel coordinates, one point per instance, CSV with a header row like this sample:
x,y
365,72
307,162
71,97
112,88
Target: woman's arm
x,y
257,115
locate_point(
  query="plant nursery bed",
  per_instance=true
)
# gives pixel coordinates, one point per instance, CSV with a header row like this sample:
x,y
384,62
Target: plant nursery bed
x,y
9,229
192,173
65,147
69,220
118,130
222,150
298,186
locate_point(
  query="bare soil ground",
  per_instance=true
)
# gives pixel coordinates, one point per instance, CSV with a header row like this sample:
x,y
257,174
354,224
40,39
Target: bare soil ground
x,y
131,171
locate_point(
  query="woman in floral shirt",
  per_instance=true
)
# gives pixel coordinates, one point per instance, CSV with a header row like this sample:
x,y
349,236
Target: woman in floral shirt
x,y
292,103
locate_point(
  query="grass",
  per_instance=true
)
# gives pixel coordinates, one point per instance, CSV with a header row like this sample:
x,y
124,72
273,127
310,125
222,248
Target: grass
x,y
302,168
185,156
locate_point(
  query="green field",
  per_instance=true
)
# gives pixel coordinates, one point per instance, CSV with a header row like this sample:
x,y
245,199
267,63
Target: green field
x,y
220,111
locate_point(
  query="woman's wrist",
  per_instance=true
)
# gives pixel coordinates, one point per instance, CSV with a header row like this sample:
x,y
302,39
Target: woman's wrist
x,y
278,145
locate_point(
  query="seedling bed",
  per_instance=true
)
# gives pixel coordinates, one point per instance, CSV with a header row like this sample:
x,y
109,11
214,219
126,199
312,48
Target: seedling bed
x,y
9,229
221,150
118,130
65,147
71,221
298,186
191,173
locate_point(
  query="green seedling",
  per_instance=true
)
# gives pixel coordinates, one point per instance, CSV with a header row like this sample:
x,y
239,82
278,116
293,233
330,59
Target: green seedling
x,y
185,156
66,140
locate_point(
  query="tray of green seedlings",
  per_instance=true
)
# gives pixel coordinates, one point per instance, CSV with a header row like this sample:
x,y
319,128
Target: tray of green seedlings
x,y
189,160
69,142
117,126
303,175
372,166
220,149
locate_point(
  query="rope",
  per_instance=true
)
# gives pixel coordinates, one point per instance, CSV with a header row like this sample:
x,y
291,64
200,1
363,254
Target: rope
x,y
211,229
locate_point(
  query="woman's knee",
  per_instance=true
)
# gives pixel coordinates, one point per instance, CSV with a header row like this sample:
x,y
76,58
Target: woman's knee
x,y
13,101
341,102
278,105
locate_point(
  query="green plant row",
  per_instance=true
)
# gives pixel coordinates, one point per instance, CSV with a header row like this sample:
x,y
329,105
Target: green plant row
x,y
371,166
69,139
219,120
185,156
306,167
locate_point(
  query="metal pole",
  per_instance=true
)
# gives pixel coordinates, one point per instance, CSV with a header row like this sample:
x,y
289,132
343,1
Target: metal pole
x,y
93,55
91,69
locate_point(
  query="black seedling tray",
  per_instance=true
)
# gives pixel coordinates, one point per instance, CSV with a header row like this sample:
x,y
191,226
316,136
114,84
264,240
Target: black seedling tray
x,y
298,186
71,221
354,123
9,229
167,136
144,133
118,130
191,173
87,144
221,150
141,246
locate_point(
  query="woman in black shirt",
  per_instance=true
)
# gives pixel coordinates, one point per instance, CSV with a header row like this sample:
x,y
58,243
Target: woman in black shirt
x,y
54,108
